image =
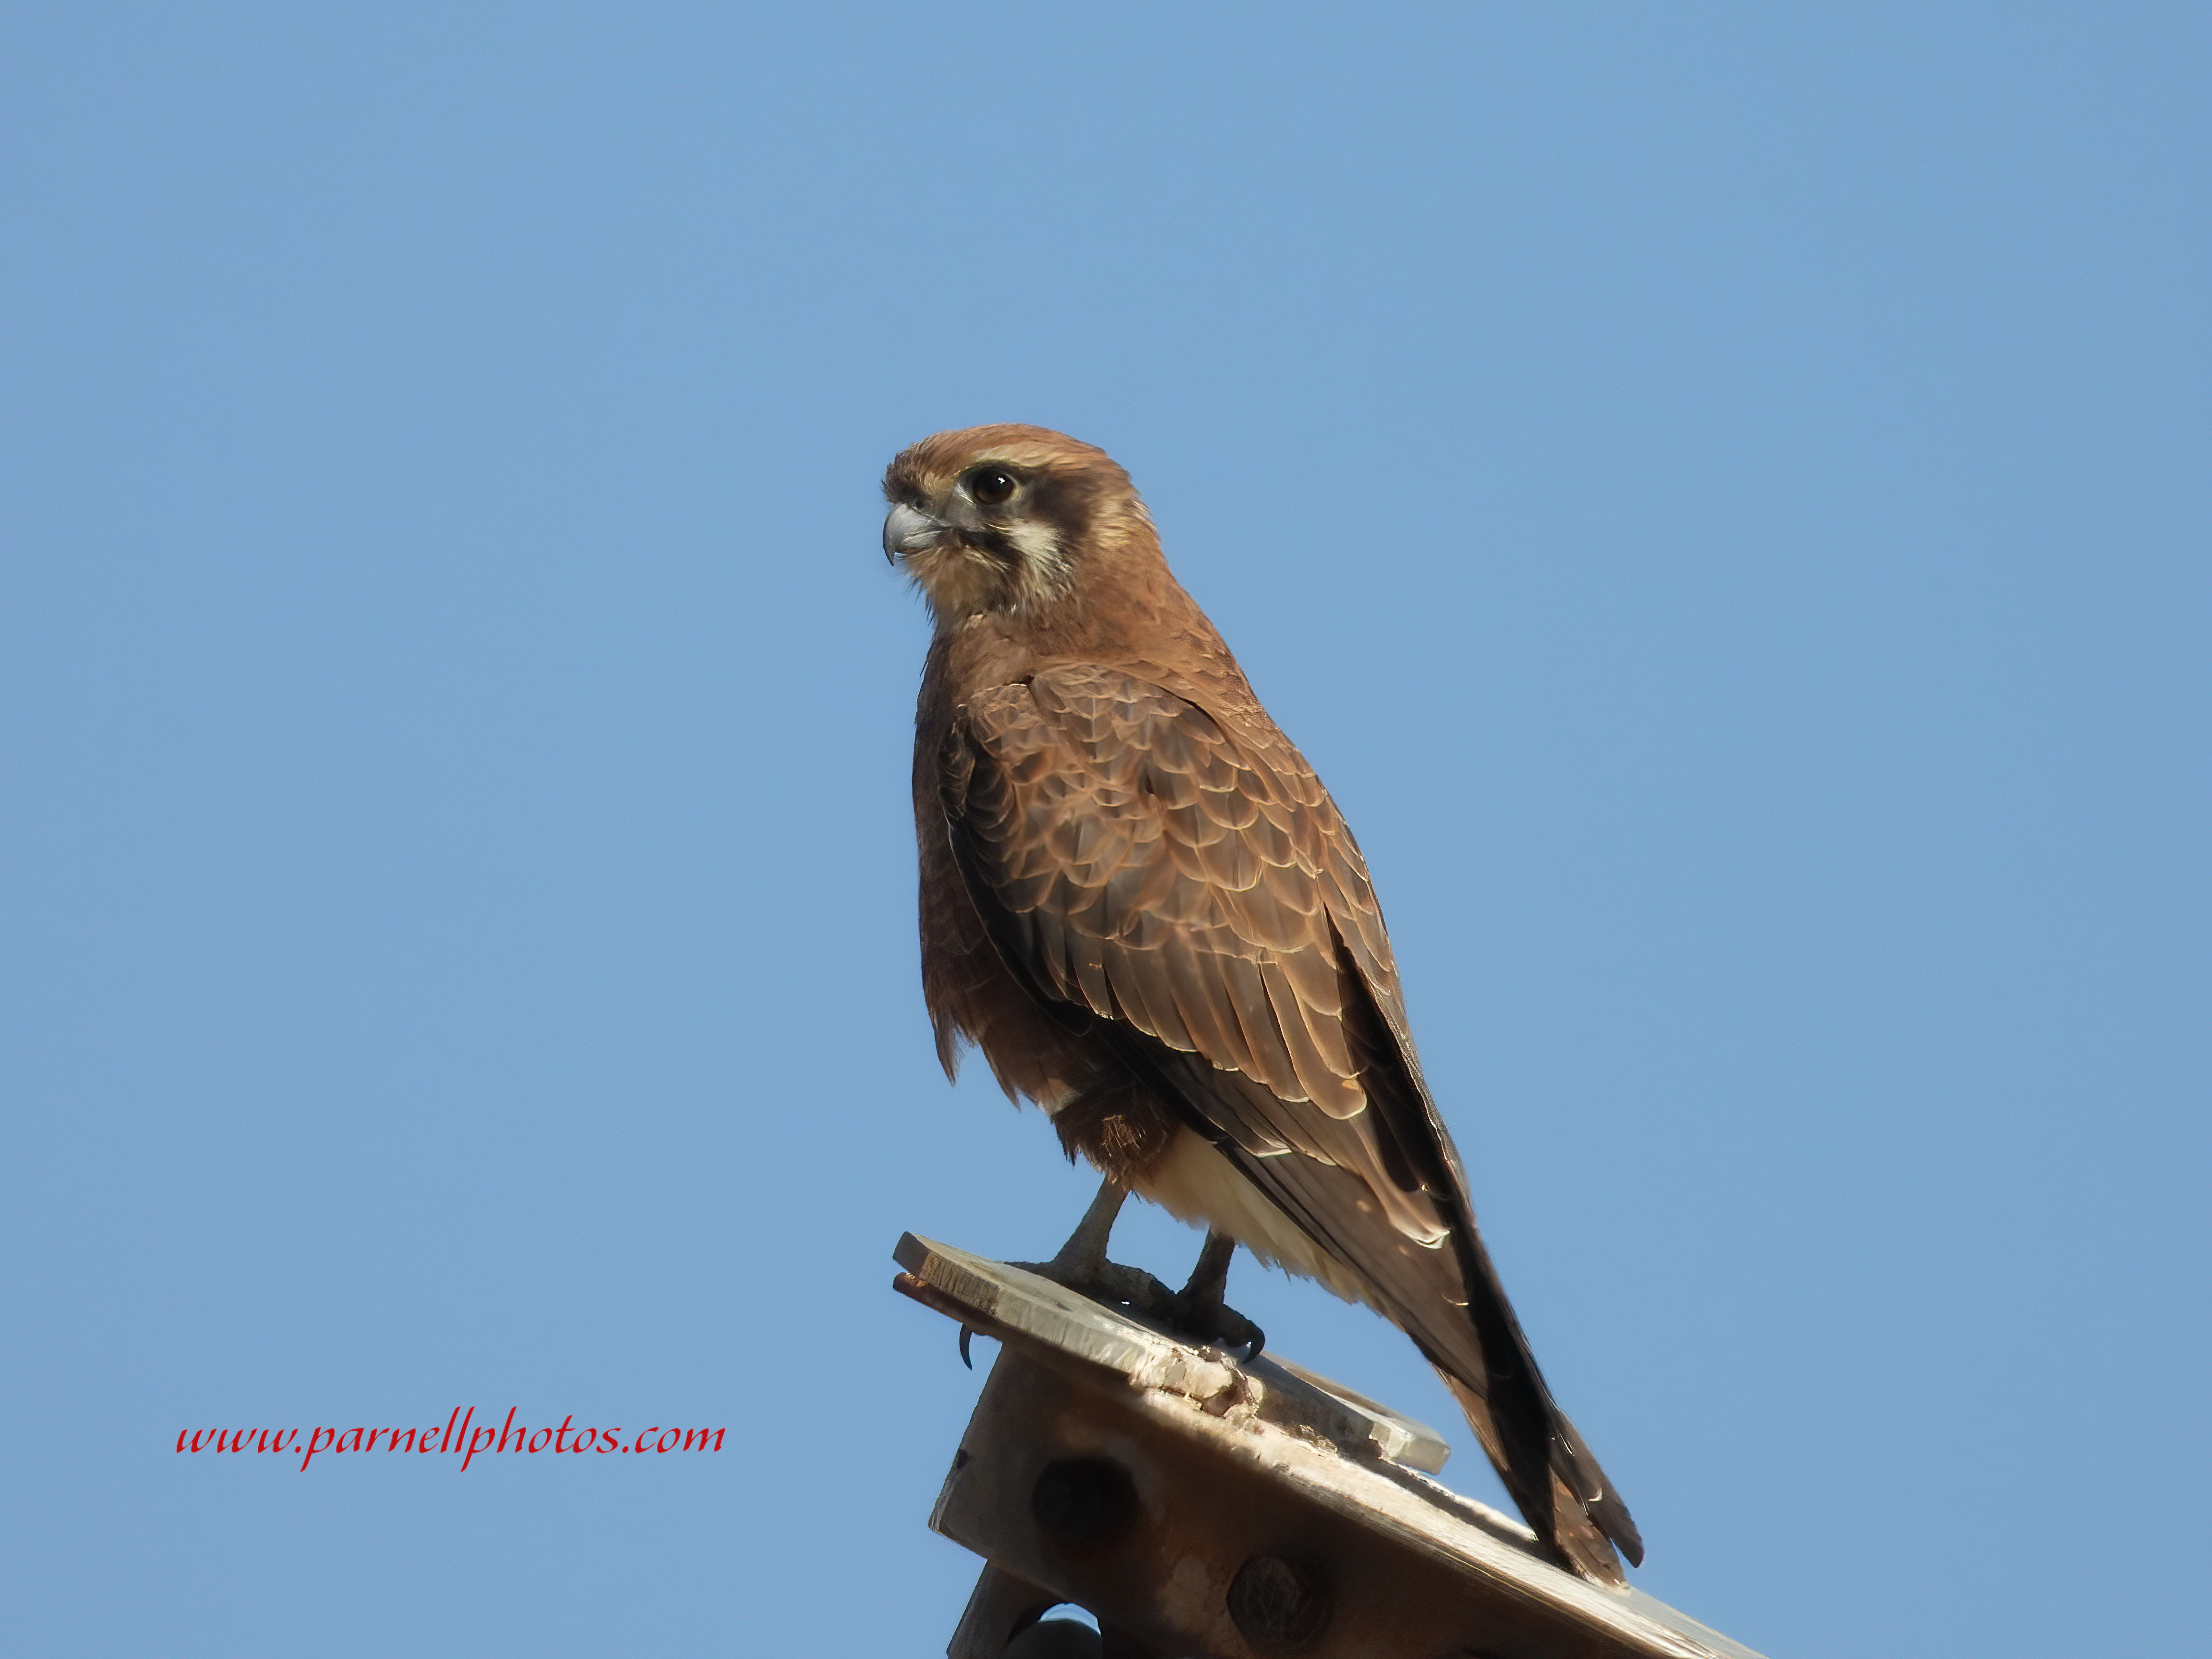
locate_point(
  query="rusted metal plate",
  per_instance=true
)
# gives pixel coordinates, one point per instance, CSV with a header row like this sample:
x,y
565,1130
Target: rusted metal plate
x,y
1200,1509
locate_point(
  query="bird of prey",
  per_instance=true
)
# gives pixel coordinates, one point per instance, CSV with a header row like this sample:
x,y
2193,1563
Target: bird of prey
x,y
1141,904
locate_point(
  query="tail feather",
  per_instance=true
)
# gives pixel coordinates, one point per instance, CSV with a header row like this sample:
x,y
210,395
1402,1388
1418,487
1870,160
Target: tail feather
x,y
1583,1521
1548,1470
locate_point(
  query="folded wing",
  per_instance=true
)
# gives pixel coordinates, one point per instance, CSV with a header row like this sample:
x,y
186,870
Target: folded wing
x,y
1182,887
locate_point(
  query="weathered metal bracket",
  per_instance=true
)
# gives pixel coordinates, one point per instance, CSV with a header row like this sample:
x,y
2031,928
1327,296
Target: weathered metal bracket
x,y
1200,1508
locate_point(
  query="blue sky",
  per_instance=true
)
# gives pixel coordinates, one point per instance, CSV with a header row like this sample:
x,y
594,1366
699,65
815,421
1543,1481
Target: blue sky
x,y
1718,489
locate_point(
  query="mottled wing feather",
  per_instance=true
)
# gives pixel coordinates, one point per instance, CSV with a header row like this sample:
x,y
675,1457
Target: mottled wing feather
x,y
1151,871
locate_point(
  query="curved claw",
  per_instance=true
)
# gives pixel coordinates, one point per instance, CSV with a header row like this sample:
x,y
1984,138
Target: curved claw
x,y
1248,1346
1201,1310
967,1331
1217,1324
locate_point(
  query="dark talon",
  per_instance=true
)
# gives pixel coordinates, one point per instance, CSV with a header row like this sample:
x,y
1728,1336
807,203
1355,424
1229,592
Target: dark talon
x,y
1217,1325
966,1331
1200,1309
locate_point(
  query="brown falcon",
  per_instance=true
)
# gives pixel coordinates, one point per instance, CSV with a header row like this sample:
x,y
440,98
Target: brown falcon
x,y
1140,902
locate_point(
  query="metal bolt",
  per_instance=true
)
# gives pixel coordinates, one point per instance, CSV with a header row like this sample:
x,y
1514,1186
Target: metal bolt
x,y
1278,1606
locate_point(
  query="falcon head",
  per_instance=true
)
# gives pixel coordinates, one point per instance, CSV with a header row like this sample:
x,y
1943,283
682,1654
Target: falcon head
x,y
1008,519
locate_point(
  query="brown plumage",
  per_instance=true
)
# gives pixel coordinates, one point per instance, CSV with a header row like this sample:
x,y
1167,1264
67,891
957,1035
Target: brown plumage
x,y
1140,902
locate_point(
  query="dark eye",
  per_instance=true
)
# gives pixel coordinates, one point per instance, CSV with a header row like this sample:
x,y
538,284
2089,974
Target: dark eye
x,y
993,485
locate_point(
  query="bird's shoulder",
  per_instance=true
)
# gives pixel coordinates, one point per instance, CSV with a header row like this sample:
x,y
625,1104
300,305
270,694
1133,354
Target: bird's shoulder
x,y
1123,722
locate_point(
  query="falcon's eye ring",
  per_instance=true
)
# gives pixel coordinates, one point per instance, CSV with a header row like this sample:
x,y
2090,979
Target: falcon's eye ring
x,y
992,486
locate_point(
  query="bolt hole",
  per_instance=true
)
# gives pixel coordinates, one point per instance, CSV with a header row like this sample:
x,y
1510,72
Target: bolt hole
x,y
1084,1503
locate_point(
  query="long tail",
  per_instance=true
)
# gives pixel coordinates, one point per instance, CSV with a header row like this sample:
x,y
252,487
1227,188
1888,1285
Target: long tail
x,y
1551,1475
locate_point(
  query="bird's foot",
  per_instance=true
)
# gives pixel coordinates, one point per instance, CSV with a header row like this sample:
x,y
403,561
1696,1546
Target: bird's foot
x,y
1081,1264
1215,1324
1110,1282
1201,1310
1196,1312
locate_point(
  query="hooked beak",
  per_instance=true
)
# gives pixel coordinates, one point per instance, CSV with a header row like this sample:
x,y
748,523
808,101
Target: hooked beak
x,y
908,531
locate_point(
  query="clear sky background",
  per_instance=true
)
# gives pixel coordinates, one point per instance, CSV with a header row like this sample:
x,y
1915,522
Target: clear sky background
x,y
1719,490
